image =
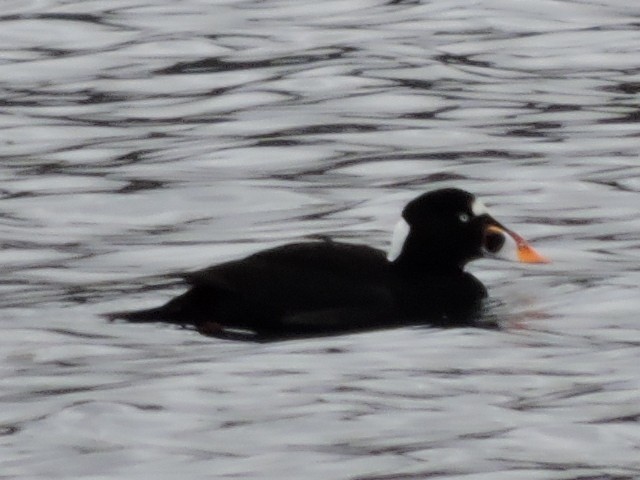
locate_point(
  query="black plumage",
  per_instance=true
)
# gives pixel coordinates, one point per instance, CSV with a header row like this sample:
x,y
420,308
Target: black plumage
x,y
327,287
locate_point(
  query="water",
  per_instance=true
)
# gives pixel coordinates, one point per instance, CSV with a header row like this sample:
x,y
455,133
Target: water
x,y
140,140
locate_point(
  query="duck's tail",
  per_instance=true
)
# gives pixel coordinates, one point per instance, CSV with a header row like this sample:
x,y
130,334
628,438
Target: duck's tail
x,y
157,314
182,310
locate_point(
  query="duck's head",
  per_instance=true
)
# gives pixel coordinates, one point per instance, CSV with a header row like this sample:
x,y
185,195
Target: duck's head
x,y
445,229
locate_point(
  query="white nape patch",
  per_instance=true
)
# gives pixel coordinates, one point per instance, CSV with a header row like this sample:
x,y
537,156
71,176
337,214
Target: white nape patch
x,y
400,234
478,208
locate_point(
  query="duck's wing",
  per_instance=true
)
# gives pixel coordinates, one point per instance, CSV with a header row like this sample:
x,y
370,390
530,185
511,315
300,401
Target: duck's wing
x,y
311,287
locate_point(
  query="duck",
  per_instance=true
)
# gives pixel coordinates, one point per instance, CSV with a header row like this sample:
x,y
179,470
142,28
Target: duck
x,y
328,287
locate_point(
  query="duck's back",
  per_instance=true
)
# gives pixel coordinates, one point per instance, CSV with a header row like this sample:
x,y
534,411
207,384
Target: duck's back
x,y
296,266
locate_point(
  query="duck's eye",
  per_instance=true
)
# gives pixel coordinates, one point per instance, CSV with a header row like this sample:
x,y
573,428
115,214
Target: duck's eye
x,y
464,217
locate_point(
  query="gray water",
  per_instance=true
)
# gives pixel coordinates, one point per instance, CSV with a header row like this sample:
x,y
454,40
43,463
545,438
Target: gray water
x,y
142,139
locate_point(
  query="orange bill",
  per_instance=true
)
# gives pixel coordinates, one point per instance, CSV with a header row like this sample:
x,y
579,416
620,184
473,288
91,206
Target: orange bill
x,y
525,252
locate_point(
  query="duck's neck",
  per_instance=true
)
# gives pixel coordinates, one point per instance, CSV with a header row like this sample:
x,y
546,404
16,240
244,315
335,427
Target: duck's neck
x,y
421,254
407,265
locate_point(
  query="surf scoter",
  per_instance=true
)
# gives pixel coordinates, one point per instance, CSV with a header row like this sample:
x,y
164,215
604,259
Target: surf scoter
x,y
323,287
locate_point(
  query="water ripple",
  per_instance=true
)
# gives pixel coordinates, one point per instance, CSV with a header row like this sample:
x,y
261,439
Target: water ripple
x,y
142,140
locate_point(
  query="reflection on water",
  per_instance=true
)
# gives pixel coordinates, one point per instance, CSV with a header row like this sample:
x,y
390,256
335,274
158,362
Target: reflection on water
x,y
142,140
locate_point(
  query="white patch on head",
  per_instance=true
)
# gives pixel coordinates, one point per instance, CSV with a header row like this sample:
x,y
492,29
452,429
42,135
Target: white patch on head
x,y
478,208
400,234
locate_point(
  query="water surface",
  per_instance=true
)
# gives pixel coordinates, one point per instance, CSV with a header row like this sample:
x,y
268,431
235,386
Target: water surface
x,y
142,140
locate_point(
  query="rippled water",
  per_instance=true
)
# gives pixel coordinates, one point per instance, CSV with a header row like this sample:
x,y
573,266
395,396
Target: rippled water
x,y
142,139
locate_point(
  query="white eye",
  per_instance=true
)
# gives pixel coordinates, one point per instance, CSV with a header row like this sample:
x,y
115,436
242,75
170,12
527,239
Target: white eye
x,y
464,217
